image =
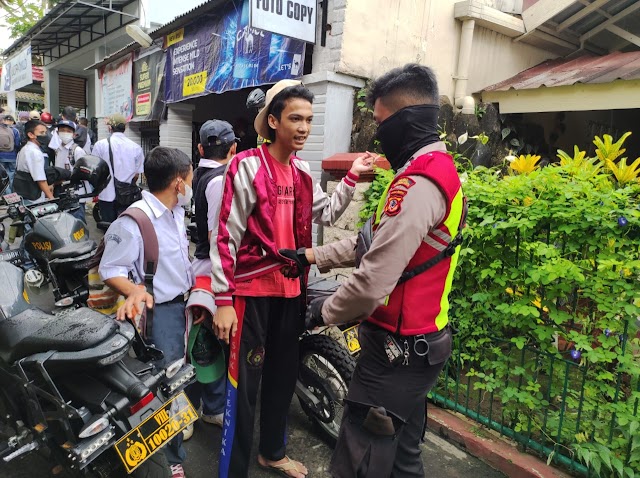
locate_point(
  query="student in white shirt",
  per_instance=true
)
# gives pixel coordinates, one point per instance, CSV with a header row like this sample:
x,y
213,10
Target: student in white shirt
x,y
217,146
169,176
31,158
67,153
128,162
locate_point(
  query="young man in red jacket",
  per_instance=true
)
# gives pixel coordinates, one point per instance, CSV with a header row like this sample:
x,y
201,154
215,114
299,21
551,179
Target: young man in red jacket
x,y
268,203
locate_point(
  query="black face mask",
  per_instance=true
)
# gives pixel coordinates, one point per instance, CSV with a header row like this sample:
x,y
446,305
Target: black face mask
x,y
406,131
43,140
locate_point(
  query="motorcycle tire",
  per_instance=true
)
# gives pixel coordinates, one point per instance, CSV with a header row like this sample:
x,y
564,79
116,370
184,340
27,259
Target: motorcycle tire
x,y
96,213
334,367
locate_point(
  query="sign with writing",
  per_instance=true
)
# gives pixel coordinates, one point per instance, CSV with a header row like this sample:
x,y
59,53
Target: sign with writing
x,y
292,18
16,71
115,83
222,53
148,72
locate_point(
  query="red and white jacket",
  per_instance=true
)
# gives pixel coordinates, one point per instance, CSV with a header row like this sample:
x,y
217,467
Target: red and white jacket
x,y
245,239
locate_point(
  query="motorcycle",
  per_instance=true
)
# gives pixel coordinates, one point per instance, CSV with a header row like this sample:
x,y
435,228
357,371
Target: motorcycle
x,y
326,366
55,244
83,388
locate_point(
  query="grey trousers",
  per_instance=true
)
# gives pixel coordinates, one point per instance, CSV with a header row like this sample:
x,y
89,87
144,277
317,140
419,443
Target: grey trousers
x,y
168,335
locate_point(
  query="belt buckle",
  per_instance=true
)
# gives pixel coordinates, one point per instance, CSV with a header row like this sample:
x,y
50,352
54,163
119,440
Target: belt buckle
x,y
185,297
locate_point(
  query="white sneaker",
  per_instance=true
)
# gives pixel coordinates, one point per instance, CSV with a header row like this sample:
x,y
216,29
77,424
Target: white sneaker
x,y
216,420
187,433
177,471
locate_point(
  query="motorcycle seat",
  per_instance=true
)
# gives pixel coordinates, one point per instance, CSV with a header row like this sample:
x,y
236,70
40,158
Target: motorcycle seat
x,y
74,250
34,331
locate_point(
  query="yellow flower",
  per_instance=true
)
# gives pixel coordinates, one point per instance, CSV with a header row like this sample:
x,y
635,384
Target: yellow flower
x,y
525,164
527,201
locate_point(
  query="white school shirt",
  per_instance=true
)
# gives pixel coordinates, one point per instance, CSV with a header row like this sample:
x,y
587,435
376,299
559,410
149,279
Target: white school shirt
x,y
31,160
124,250
128,160
213,192
62,161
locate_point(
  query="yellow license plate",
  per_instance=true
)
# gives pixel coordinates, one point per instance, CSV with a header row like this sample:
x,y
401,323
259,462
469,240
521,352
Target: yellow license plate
x,y
351,337
148,437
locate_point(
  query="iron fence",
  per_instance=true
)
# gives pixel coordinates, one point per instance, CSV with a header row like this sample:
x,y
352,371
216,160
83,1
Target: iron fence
x,y
557,418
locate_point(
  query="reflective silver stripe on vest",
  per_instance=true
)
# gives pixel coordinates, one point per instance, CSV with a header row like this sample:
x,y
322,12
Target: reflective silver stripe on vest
x,y
435,244
442,235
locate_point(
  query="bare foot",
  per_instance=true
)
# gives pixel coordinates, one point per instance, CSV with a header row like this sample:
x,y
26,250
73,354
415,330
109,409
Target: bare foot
x,y
286,466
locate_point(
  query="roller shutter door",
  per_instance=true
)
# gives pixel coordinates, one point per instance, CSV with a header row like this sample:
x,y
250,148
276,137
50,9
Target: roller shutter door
x,y
73,92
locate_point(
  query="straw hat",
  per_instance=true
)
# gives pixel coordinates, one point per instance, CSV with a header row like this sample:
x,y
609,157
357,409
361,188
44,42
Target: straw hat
x,y
261,123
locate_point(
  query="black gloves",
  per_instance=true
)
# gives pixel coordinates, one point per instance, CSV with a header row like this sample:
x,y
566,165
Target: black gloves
x,y
300,260
313,317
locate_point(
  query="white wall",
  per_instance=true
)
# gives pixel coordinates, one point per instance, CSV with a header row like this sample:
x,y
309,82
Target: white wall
x,y
377,35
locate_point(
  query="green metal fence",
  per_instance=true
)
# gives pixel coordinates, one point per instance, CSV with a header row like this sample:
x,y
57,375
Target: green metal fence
x,y
558,417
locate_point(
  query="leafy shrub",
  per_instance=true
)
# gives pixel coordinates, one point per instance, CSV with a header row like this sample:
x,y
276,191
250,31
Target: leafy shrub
x,y
551,262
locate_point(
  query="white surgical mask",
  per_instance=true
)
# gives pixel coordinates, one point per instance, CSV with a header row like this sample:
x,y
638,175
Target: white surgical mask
x,y
66,138
185,199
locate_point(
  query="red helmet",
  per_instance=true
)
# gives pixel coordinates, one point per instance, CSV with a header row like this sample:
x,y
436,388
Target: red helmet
x,y
46,118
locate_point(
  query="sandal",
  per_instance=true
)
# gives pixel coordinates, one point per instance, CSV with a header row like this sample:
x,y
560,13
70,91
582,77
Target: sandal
x,y
283,468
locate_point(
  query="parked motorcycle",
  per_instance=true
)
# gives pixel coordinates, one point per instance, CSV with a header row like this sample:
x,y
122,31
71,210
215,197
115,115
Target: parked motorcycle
x,y
56,245
326,366
82,387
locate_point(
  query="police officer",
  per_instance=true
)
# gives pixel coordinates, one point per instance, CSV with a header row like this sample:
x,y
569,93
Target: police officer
x,y
401,286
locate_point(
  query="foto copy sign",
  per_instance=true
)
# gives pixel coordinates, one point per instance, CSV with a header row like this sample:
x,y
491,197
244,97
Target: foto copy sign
x,y
292,18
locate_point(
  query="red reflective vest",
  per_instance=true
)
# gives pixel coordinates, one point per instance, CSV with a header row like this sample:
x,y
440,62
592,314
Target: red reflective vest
x,y
421,304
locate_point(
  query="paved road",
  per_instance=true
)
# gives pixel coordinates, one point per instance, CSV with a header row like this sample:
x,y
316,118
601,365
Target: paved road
x,y
305,441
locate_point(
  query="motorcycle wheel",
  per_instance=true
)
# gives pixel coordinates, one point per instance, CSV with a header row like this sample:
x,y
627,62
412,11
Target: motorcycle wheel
x,y
333,365
96,213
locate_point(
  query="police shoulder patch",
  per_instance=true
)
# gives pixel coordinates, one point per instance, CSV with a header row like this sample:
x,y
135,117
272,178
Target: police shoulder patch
x,y
404,182
394,201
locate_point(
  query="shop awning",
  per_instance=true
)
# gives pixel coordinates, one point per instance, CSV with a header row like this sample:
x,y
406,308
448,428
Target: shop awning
x,y
161,31
567,26
26,97
72,24
588,82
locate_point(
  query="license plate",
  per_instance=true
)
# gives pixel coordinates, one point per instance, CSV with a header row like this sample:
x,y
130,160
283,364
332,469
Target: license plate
x,y
149,437
351,337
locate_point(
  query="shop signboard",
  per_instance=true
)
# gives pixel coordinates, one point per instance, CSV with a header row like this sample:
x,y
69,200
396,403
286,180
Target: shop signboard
x,y
148,72
117,92
222,53
16,71
291,18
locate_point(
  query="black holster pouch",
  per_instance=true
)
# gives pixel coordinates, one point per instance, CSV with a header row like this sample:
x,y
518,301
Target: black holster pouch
x,y
367,442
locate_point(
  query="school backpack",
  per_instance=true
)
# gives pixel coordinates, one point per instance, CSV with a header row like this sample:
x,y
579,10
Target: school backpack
x,y
106,300
7,139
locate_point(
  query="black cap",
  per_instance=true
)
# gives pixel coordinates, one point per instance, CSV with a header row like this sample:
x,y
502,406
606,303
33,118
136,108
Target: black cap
x,y
216,132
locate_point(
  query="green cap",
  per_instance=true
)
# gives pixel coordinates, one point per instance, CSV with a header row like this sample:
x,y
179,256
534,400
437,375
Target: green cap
x,y
206,354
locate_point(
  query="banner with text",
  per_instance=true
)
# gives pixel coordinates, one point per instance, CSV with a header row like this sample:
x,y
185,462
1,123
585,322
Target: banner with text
x,y
115,83
218,54
292,18
148,73
16,71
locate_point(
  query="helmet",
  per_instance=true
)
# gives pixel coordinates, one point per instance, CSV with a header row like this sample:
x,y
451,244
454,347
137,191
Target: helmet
x,y
255,99
46,118
93,169
4,179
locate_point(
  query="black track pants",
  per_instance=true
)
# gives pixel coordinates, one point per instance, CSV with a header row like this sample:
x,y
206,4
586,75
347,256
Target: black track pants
x,y
265,346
